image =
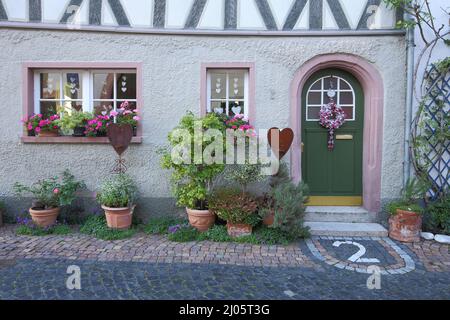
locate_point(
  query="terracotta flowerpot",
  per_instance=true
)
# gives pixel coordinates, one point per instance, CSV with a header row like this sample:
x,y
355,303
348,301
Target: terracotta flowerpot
x,y
118,218
405,226
236,230
201,220
269,219
44,218
48,133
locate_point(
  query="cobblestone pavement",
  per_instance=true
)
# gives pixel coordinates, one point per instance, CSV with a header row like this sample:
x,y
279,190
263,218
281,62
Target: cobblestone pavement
x,y
146,248
153,268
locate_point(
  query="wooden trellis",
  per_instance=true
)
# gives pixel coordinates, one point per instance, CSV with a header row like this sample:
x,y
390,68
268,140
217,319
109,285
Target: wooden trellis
x,y
430,133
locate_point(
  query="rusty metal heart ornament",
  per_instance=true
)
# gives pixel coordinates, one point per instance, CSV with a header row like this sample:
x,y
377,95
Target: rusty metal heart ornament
x,y
120,136
286,136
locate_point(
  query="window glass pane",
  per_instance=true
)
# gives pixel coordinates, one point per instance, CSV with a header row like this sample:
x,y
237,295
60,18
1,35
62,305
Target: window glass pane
x,y
313,113
236,85
329,82
344,85
131,105
69,106
218,106
314,98
346,98
317,85
103,107
49,108
218,85
236,107
50,85
72,86
348,112
126,86
103,86
326,98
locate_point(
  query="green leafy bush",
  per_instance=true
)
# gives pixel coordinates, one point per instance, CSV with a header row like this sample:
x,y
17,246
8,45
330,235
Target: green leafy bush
x,y
96,226
28,228
261,235
217,234
289,207
184,234
272,236
393,206
119,191
53,192
161,225
413,191
74,119
234,206
437,217
244,174
192,181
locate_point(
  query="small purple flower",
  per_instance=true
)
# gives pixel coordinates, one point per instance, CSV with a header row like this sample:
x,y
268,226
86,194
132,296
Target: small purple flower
x,y
173,229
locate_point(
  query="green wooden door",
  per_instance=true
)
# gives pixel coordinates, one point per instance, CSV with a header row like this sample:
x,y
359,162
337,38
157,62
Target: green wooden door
x,y
334,177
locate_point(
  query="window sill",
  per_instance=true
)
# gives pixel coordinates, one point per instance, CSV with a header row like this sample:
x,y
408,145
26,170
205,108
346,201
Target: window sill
x,y
72,140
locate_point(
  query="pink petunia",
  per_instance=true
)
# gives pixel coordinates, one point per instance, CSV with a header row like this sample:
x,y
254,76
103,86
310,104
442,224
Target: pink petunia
x,y
38,129
56,191
114,113
136,118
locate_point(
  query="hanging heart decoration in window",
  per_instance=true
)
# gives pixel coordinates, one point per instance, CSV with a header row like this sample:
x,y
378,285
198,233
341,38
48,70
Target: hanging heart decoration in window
x,y
332,117
236,110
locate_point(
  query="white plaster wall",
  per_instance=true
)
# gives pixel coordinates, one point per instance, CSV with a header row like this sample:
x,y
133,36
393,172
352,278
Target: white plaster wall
x,y
441,50
171,69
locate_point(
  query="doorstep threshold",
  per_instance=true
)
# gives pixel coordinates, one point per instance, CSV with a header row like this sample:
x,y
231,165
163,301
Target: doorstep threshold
x,y
345,229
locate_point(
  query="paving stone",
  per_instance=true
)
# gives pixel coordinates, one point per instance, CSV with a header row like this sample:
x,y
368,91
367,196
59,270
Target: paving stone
x,y
151,267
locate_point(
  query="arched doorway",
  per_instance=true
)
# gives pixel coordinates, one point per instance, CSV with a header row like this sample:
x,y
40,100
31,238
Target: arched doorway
x,y
334,176
372,86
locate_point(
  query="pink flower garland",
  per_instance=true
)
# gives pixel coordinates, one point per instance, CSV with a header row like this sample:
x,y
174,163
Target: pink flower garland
x,y
332,117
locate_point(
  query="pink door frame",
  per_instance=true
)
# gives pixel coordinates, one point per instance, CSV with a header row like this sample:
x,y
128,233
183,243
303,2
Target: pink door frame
x,y
372,84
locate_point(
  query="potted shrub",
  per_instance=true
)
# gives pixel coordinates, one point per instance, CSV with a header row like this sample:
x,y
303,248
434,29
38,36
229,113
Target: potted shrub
x,y
49,196
118,196
192,182
266,203
75,122
405,221
127,115
289,205
237,209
